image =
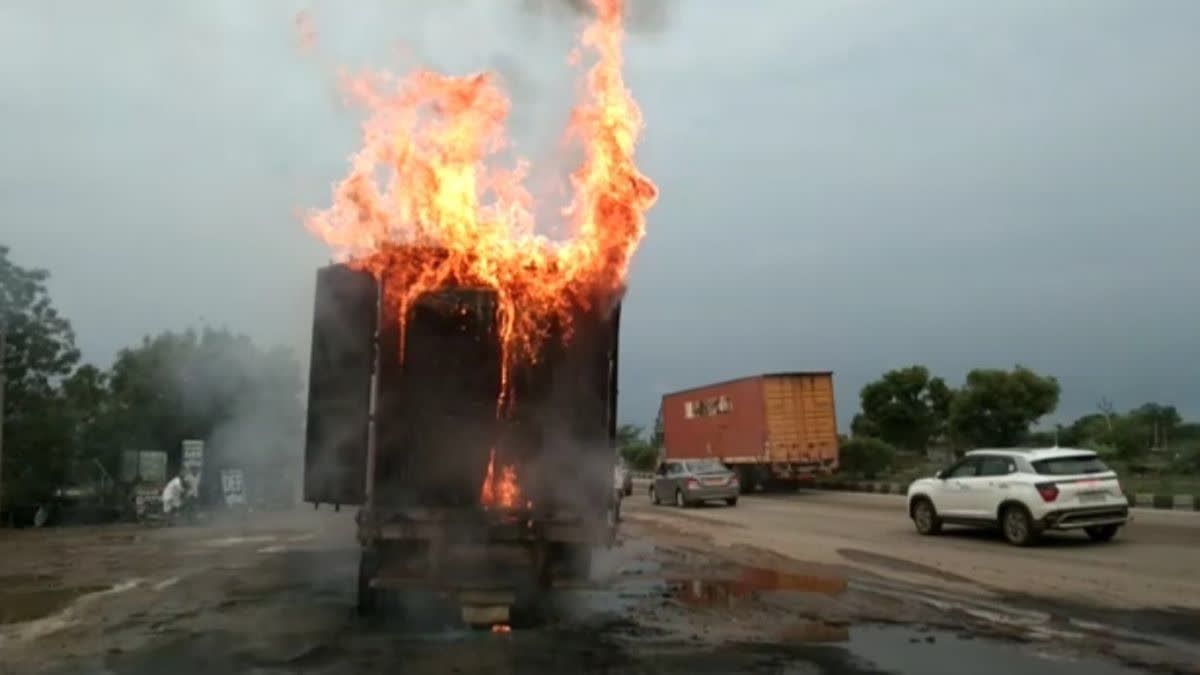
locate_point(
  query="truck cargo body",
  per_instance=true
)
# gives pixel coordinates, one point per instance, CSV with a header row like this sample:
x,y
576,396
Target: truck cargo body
x,y
406,426
772,427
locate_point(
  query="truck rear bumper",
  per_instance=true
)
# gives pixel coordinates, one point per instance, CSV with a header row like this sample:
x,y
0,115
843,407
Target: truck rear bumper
x,y
475,525
470,549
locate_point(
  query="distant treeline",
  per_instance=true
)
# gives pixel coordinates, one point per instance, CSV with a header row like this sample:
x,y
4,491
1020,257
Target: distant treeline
x,y
61,414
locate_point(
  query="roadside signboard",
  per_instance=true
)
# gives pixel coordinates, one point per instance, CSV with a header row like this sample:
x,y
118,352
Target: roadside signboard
x,y
233,486
193,464
143,466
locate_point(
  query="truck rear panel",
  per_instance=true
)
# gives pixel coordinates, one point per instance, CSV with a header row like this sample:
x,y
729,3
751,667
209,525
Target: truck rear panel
x,y
801,424
437,428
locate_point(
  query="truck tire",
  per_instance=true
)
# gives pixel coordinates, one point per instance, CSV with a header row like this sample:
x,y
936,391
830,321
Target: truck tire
x,y
368,598
576,561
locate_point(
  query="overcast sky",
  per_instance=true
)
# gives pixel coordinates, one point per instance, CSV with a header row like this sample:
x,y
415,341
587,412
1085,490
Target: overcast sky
x,y
851,185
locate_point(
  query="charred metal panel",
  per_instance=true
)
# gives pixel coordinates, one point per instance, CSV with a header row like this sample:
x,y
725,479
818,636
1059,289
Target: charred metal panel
x,y
563,422
436,418
437,415
339,386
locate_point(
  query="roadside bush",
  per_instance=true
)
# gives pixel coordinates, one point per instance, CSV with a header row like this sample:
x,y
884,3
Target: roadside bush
x,y
1186,462
640,456
866,457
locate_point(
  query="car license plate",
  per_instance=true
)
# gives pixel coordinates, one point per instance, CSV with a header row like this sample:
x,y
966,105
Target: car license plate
x,y
714,481
1091,497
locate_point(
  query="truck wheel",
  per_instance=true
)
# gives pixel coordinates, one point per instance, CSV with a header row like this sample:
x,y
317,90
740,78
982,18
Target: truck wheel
x,y
1018,526
576,561
368,598
679,500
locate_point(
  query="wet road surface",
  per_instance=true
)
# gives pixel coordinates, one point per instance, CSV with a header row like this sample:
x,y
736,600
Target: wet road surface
x,y
275,594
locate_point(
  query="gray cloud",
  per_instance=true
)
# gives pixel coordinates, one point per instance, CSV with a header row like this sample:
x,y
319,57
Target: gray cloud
x,y
845,184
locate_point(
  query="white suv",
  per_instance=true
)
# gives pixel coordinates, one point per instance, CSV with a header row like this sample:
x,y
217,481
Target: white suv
x,y
1024,492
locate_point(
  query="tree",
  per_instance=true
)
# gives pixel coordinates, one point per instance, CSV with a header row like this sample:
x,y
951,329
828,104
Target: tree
x,y
997,407
866,457
40,352
211,385
638,453
905,407
659,438
629,434
1161,420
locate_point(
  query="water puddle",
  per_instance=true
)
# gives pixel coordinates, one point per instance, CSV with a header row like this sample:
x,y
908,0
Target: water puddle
x,y
23,605
899,649
749,582
814,632
226,542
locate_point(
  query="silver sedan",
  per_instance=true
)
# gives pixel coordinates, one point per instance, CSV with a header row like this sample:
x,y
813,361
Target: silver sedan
x,y
685,482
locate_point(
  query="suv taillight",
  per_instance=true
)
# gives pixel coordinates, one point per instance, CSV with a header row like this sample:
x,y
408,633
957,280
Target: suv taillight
x,y
1048,491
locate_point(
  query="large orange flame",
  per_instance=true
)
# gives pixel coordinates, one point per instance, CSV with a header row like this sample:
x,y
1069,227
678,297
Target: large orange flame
x,y
422,211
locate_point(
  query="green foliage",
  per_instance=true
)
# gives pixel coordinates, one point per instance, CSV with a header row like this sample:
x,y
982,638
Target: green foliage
x,y
639,454
866,457
906,408
1133,435
40,351
996,407
659,437
211,385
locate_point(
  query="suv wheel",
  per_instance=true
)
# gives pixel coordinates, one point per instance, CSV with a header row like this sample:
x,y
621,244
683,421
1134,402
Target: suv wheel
x,y
1102,532
1018,526
925,517
679,500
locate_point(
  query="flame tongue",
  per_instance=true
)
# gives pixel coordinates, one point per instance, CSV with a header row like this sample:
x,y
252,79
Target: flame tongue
x,y
441,217
501,491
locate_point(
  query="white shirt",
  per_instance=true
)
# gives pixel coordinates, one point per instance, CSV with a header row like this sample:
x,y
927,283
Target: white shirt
x,y
172,495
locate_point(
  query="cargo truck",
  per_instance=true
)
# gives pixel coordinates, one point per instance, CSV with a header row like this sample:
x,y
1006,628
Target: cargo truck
x,y
775,429
454,496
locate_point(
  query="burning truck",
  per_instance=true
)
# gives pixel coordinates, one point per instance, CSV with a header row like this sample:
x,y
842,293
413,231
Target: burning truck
x,y
464,365
453,496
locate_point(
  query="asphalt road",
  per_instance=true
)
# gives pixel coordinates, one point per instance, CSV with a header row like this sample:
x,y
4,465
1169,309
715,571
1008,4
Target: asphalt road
x,y
803,583
1153,564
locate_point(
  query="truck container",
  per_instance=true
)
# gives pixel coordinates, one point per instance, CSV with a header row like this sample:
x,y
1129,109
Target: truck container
x,y
776,428
457,493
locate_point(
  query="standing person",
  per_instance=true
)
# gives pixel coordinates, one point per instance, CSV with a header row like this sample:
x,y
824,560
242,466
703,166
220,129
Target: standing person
x,y
172,496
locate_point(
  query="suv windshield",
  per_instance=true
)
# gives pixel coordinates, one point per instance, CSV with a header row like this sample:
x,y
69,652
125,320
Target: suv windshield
x,y
1070,466
705,466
